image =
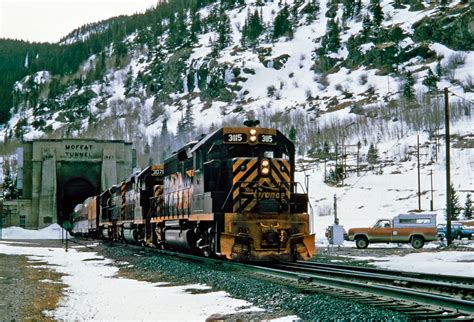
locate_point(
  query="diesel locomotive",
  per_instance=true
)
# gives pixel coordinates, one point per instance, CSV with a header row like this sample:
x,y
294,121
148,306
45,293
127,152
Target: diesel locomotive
x,y
230,194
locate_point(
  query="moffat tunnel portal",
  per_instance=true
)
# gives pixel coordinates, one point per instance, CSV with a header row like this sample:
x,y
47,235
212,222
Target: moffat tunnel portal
x,y
59,174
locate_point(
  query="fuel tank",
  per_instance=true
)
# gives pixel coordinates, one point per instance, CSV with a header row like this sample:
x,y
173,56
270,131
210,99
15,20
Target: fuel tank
x,y
184,240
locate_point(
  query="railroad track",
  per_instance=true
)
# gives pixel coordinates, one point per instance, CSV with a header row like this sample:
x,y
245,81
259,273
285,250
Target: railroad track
x,y
459,286
420,296
426,296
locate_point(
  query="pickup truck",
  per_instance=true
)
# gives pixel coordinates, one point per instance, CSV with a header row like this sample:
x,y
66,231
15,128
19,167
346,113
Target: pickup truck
x,y
458,231
403,228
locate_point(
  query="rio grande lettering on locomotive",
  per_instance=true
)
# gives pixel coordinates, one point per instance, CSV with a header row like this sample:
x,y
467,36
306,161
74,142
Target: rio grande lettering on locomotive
x,y
230,194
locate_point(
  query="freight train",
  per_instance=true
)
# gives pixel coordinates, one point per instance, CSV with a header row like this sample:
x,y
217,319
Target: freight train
x,y
230,194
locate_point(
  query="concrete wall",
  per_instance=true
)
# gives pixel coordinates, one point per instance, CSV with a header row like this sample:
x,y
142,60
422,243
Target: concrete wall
x,y
52,169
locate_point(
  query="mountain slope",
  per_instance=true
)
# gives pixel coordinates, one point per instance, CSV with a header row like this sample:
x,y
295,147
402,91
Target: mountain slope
x,y
163,77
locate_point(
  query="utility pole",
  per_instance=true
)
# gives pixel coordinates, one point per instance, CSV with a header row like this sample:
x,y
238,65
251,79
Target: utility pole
x,y
325,175
418,160
431,201
335,170
448,168
358,150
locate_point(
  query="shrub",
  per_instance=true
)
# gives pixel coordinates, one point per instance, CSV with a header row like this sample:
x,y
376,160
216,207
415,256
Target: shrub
x,y
363,79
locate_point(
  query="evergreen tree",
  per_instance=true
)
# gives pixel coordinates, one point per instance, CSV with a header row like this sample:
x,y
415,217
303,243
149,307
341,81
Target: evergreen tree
x,y
177,30
164,135
195,26
430,81
292,134
331,41
189,118
252,29
224,30
348,9
439,70
377,12
366,26
282,24
408,91
326,150
468,207
398,4
294,15
311,10
453,204
186,124
357,8
372,154
416,5
9,188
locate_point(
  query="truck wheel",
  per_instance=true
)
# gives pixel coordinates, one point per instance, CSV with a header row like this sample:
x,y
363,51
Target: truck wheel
x,y
361,242
458,236
469,237
417,242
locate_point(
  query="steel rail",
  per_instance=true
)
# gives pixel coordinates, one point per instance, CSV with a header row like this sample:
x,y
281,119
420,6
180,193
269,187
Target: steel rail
x,y
395,292
372,274
427,276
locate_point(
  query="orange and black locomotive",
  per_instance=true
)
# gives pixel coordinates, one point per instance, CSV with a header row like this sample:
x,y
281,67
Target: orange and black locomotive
x,y
230,194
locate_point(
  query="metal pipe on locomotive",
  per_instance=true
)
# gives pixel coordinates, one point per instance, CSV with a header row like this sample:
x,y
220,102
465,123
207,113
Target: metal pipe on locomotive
x,y
230,194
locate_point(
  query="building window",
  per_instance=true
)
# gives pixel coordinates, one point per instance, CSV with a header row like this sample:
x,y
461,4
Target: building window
x,y
4,221
48,220
22,221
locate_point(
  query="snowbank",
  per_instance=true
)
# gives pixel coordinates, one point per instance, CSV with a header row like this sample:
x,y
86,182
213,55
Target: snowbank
x,y
53,231
94,291
451,263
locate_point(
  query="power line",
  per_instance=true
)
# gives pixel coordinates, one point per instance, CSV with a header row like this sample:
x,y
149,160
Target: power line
x,y
463,98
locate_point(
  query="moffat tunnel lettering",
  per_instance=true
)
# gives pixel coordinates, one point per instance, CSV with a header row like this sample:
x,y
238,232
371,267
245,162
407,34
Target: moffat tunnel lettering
x,y
78,151
83,147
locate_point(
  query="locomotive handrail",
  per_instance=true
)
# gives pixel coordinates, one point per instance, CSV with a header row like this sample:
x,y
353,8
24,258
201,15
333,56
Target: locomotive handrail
x,y
175,196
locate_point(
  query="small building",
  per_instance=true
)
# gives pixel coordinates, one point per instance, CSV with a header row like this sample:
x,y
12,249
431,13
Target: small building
x,y
55,175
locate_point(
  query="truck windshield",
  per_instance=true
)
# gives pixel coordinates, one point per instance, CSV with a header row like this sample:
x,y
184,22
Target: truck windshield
x,y
382,224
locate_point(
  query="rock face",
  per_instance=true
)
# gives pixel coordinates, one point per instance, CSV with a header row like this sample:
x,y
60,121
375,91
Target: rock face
x,y
455,29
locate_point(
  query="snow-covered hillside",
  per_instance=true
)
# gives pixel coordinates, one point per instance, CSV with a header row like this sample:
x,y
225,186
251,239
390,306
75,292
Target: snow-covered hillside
x,y
278,74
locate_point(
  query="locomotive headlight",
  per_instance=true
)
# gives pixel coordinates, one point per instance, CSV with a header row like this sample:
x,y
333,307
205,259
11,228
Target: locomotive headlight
x,y
264,167
253,132
253,138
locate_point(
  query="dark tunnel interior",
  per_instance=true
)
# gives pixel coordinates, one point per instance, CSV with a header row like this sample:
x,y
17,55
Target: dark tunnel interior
x,y
73,192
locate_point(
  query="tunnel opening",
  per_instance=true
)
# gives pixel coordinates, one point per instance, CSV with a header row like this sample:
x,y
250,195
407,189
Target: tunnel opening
x,y
73,192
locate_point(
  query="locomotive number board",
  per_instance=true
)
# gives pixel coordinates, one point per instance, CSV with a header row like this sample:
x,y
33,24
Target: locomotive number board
x,y
244,136
235,138
157,170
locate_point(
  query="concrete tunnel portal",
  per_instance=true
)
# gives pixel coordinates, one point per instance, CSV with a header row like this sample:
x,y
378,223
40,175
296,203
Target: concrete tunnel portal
x,y
59,174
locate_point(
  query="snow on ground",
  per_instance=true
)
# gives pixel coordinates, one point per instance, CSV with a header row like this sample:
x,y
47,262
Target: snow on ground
x,y
53,231
94,292
362,200
452,263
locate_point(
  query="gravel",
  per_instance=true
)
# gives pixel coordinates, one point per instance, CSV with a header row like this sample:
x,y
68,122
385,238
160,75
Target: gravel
x,y
277,300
